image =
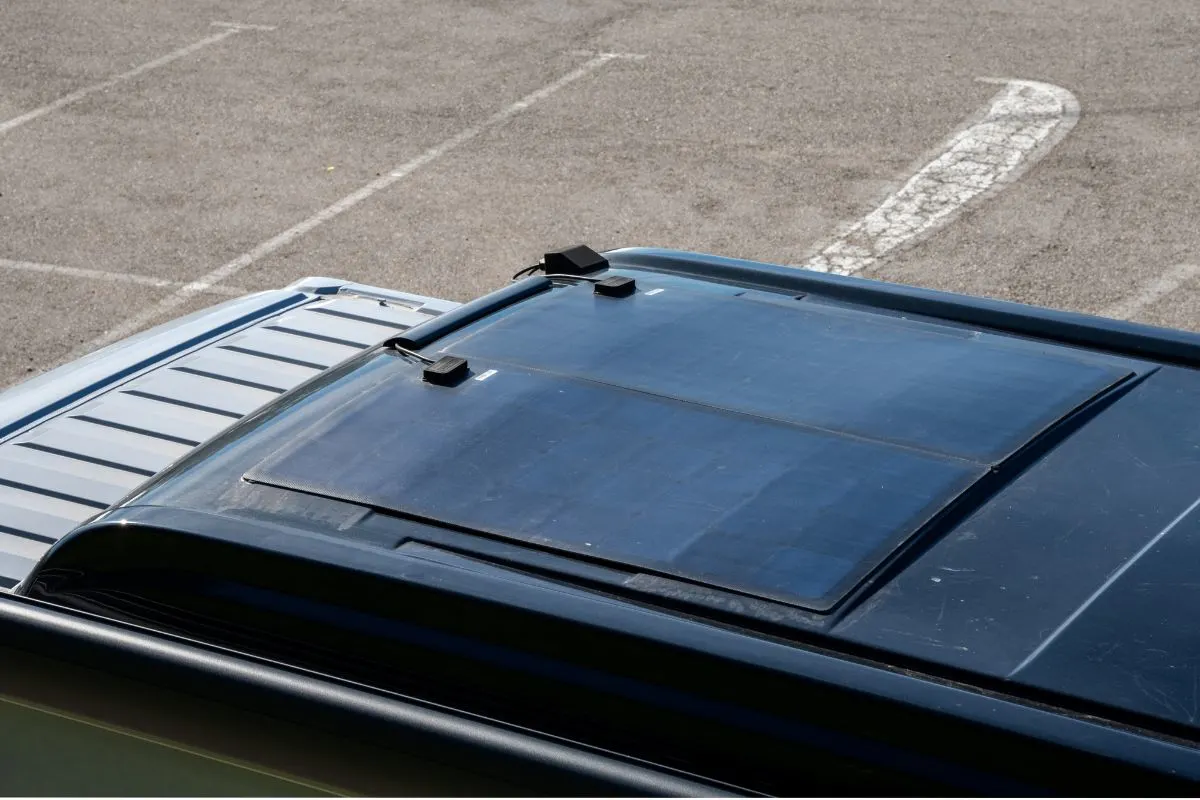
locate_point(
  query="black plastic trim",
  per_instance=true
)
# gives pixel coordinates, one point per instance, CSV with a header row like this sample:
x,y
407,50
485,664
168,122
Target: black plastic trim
x,y
819,696
1081,330
167,660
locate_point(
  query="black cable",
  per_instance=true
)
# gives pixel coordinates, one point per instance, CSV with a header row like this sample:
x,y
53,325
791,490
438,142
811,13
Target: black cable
x,y
527,271
405,352
555,275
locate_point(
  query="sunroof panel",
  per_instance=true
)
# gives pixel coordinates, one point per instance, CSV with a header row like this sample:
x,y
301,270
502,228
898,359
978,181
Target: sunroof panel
x,y
730,499
963,393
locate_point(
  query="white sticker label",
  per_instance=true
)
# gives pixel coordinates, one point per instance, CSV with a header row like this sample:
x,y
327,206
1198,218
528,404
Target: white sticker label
x,y
653,292
486,375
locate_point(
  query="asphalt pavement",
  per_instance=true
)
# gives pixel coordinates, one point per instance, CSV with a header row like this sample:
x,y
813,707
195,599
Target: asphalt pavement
x,y
155,158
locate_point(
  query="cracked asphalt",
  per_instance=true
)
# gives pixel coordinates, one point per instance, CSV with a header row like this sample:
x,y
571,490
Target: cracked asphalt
x,y
765,130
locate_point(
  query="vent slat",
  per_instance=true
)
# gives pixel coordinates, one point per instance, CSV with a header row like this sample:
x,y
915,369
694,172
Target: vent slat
x,y
57,483
21,547
296,349
87,471
39,514
201,393
339,328
370,311
135,451
153,417
246,367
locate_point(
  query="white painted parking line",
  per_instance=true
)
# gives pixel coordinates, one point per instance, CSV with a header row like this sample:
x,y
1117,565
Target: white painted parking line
x,y
77,95
226,271
1024,121
242,26
1162,286
110,277
590,53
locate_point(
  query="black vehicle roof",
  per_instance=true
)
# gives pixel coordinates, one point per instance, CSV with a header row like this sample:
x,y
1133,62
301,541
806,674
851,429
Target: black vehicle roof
x,y
783,454
1000,509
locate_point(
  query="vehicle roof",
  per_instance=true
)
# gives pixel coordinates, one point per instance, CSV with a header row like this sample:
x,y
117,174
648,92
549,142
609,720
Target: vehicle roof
x,y
783,454
1008,511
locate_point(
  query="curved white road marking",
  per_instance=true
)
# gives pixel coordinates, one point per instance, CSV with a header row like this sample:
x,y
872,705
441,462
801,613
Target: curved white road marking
x,y
1025,120
1156,290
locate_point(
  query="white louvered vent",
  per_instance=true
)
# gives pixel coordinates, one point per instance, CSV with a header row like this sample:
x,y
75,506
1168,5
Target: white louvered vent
x,y
72,466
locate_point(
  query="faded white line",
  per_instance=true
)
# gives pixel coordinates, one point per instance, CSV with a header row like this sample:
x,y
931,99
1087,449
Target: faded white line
x,y
110,277
1159,288
226,271
242,26
1024,121
77,95
590,53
